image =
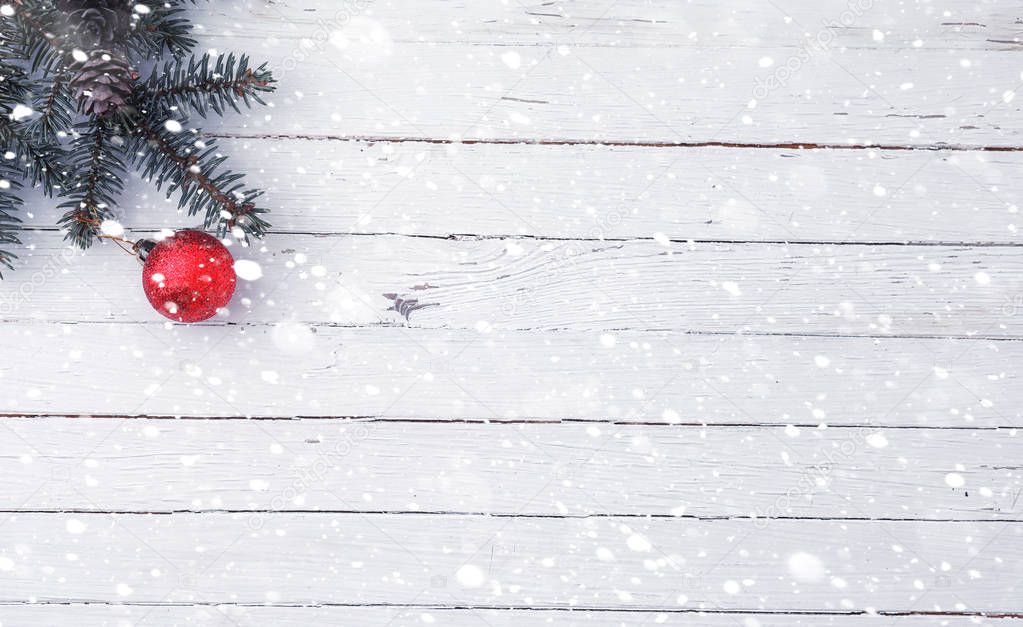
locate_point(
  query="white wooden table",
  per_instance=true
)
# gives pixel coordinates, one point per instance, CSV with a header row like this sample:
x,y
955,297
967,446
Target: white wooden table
x,y
584,312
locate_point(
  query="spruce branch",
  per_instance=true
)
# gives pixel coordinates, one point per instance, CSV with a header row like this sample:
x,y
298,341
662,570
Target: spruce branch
x,y
203,84
43,163
34,33
192,167
14,87
95,187
56,106
164,28
10,202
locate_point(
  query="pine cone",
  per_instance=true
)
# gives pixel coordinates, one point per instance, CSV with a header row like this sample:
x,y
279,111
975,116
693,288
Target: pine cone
x,y
97,23
103,82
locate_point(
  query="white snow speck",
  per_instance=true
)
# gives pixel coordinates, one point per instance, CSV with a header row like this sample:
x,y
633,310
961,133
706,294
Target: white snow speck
x,y
638,543
270,376
805,567
6,564
123,589
112,228
822,361
607,340
173,126
731,287
75,526
604,554
731,587
470,576
940,372
248,270
512,59
954,480
877,440
982,278
20,112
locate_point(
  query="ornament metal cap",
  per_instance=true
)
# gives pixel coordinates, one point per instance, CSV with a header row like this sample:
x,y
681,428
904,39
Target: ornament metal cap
x,y
143,247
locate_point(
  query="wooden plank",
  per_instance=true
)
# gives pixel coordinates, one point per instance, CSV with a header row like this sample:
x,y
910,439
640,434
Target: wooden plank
x,y
294,370
543,285
509,469
600,192
631,23
478,560
656,96
255,616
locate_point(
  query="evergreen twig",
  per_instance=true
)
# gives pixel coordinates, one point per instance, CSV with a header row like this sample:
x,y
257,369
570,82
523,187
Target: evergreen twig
x,y
163,29
9,204
42,162
192,167
203,84
56,107
91,197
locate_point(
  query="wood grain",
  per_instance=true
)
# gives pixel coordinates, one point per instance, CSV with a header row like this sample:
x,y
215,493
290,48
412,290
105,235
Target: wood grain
x,y
543,285
478,560
610,193
655,96
291,370
543,470
632,23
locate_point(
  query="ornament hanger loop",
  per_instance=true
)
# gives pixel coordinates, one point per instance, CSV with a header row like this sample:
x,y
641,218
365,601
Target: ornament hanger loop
x,y
126,245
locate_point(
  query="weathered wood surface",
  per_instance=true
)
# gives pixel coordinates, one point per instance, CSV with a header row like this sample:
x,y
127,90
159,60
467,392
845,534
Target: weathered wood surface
x,y
622,192
578,313
479,560
226,615
510,469
596,286
923,98
293,370
988,24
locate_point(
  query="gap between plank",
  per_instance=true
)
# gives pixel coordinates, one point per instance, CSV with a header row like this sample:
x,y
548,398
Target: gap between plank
x,y
502,141
507,421
469,514
529,608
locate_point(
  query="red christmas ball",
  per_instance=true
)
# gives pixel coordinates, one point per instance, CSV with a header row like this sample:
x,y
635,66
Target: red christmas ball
x,y
189,276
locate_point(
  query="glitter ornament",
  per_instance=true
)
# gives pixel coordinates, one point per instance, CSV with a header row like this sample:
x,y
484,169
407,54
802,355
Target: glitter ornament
x,y
188,276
